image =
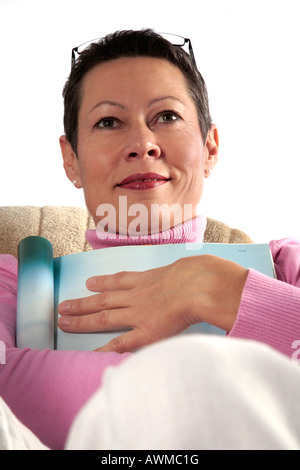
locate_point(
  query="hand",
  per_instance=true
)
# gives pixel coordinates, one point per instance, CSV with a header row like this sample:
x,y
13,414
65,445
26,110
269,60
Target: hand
x,y
158,303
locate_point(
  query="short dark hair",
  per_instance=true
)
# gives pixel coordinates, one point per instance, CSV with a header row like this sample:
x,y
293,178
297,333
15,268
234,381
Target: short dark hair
x,y
128,43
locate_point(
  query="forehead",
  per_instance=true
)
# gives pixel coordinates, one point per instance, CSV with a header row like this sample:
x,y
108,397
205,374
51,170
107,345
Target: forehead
x,y
124,77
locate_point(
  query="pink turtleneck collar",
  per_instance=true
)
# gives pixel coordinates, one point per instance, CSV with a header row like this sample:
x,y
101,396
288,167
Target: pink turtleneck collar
x,y
191,231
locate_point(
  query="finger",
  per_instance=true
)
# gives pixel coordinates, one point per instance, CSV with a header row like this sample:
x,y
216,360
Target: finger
x,y
93,303
106,320
117,281
127,342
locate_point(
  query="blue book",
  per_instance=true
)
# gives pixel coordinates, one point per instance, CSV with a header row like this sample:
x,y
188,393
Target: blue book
x,y
45,281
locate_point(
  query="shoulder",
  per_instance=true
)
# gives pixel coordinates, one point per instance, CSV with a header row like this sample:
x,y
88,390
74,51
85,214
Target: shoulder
x,y
286,255
8,272
8,263
219,232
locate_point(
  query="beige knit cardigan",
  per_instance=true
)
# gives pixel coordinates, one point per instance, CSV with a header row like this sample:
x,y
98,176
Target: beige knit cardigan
x,y
65,228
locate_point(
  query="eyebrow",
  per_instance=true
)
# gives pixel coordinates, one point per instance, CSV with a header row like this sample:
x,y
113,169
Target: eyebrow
x,y
156,100
120,105
108,102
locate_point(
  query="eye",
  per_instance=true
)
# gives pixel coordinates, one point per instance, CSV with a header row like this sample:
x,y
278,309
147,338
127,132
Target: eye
x,y
107,123
167,117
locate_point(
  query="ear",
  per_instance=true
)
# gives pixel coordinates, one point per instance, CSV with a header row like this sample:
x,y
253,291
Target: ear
x,y
212,150
70,161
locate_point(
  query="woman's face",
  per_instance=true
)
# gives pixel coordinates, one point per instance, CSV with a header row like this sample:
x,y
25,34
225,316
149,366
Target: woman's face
x,y
139,137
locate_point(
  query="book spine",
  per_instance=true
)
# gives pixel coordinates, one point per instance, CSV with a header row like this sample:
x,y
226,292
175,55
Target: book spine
x,y
35,297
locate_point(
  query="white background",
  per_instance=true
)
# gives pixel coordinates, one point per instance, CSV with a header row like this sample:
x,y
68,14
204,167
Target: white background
x,y
248,53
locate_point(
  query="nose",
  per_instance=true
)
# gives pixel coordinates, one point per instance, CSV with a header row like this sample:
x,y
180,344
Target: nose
x,y
141,143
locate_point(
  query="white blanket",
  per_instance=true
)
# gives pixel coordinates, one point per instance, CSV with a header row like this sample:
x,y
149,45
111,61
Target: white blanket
x,y
13,434
192,392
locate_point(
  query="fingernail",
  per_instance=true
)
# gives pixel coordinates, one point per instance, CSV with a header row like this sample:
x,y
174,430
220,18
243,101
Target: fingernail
x,y
90,283
64,322
64,307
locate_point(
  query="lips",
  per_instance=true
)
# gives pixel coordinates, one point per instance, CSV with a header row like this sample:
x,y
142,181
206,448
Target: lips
x,y
143,181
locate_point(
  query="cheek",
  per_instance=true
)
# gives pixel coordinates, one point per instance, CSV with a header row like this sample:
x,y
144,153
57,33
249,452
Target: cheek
x,y
190,156
92,163
94,177
189,142
191,168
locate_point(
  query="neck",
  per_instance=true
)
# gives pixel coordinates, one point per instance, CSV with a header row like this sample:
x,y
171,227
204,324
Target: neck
x,y
191,231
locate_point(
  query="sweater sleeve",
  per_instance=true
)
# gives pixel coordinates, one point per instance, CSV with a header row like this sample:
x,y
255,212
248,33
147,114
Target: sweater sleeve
x,y
45,389
270,308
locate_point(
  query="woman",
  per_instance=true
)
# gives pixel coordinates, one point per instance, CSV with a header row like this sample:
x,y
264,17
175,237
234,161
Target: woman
x,y
138,127
126,131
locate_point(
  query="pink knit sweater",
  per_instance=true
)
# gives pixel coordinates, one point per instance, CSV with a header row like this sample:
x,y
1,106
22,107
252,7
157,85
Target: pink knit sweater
x,y
46,389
